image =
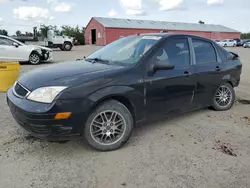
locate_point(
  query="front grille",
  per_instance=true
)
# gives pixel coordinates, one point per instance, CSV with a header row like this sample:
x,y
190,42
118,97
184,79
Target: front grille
x,y
19,90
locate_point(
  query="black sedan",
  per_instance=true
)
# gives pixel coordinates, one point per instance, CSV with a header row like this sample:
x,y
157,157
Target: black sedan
x,y
102,97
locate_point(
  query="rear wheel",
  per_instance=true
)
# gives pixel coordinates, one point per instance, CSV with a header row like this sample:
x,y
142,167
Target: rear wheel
x,y
224,97
225,45
109,126
34,58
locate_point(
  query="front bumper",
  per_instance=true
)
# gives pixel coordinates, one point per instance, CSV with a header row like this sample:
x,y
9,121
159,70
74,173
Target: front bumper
x,y
38,118
47,56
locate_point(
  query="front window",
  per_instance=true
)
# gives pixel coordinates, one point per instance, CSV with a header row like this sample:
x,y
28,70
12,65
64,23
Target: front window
x,y
9,41
175,52
6,42
127,51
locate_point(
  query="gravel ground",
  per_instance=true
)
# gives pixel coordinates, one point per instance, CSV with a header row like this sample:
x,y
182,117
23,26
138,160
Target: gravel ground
x,y
199,149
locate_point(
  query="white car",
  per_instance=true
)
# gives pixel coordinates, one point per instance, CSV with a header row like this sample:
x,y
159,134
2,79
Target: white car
x,y
227,43
246,45
13,50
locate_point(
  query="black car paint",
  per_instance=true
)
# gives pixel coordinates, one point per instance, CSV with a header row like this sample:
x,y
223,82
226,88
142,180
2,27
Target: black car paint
x,y
146,94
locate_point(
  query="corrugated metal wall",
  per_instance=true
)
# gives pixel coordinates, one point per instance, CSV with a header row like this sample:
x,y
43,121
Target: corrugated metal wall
x,y
115,33
108,35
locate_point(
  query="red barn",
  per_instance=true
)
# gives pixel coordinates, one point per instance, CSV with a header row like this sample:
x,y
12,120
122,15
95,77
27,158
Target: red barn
x,y
102,31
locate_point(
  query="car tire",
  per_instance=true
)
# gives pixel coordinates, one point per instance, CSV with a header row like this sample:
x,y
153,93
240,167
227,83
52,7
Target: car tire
x,y
34,58
225,45
67,46
100,123
224,97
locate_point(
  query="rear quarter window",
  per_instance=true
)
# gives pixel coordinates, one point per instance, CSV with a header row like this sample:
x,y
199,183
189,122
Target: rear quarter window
x,y
222,55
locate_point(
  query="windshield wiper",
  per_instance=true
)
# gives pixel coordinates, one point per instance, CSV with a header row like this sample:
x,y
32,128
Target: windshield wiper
x,y
93,60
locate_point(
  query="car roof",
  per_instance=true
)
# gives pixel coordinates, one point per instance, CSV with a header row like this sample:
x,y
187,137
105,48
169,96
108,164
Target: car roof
x,y
4,36
171,34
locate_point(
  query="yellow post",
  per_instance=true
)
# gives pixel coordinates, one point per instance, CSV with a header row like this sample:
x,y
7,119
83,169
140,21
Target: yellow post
x,y
9,73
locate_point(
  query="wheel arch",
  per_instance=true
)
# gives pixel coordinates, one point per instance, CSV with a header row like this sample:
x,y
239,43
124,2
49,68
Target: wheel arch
x,y
230,79
65,42
120,98
122,94
35,51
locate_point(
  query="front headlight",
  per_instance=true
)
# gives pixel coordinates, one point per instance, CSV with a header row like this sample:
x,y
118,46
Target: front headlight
x,y
45,94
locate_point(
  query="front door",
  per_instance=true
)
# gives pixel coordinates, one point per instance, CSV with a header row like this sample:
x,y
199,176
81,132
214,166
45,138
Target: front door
x,y
10,52
171,91
93,36
6,49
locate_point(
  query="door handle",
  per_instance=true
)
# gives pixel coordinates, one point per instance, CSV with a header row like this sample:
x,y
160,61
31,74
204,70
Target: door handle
x,y
186,73
217,68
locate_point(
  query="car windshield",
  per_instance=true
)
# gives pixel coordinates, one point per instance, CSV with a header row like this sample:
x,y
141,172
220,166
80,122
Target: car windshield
x,y
126,51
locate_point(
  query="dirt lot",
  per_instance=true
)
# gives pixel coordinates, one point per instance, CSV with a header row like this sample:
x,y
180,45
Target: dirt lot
x,y
199,149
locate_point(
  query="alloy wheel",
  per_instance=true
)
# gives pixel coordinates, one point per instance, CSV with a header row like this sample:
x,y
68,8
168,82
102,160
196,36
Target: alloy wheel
x,y
223,96
108,127
34,58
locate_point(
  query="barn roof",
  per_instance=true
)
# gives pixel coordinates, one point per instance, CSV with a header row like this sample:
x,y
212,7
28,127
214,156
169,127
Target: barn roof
x,y
149,24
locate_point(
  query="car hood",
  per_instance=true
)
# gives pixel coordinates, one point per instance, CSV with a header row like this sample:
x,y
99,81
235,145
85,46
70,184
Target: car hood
x,y
66,74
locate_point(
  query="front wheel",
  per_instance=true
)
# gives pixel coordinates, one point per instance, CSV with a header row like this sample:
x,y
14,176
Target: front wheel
x,y
67,46
224,97
109,126
34,58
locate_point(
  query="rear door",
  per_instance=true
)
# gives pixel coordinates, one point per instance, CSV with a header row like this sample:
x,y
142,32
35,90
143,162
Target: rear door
x,y
208,71
171,91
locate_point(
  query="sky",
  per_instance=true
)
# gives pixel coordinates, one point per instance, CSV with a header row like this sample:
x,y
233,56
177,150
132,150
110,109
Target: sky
x,y
23,15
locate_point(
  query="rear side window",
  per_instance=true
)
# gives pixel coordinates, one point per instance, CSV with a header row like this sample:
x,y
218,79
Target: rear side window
x,y
204,52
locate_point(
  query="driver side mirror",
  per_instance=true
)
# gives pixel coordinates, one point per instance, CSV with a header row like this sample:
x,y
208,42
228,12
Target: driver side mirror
x,y
162,65
15,44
